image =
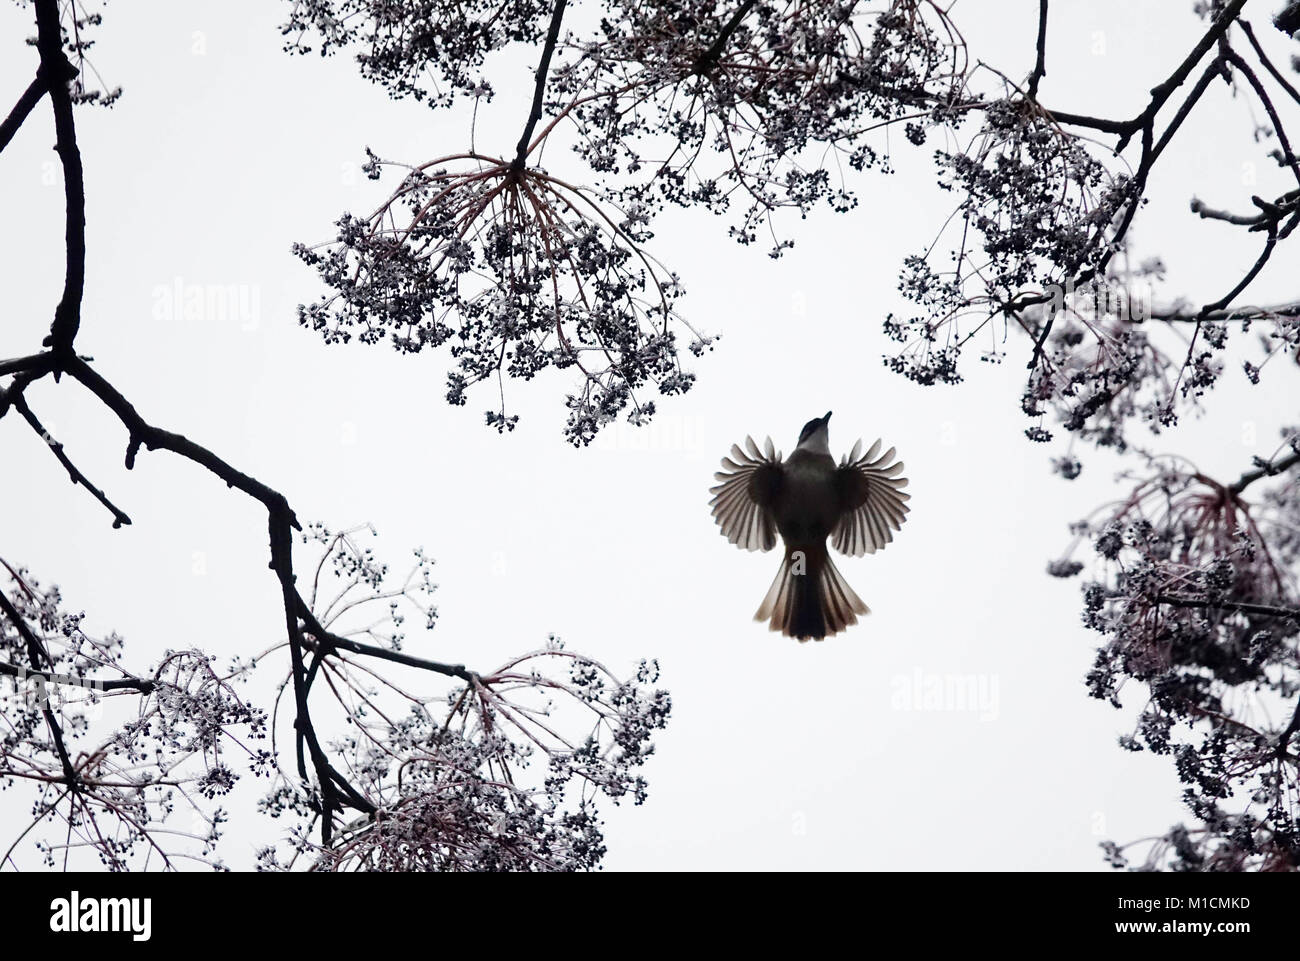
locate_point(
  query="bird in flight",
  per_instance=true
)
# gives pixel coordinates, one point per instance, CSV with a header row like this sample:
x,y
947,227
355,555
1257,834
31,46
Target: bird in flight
x,y
806,499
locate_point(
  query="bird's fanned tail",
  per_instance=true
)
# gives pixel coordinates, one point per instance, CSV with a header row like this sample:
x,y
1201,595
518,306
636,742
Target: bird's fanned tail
x,y
810,598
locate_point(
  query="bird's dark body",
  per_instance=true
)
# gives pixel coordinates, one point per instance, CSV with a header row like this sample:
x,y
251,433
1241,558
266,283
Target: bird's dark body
x,y
807,504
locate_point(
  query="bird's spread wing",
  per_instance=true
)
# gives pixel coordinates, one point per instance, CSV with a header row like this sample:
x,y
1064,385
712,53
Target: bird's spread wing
x,y
872,503
743,500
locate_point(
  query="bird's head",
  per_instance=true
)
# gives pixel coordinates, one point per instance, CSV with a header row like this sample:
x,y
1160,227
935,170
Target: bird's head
x,y
814,436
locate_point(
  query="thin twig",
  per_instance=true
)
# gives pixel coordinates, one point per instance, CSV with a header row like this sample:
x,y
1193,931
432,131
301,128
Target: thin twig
x,y
56,448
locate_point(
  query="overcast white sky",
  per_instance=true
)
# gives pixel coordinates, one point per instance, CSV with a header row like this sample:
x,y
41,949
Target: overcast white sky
x,y
223,151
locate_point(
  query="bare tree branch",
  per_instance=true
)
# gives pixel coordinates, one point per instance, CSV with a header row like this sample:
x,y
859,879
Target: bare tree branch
x,y
77,477
539,89
55,68
26,103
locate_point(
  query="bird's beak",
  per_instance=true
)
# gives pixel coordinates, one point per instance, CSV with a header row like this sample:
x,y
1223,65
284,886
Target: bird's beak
x,y
827,417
